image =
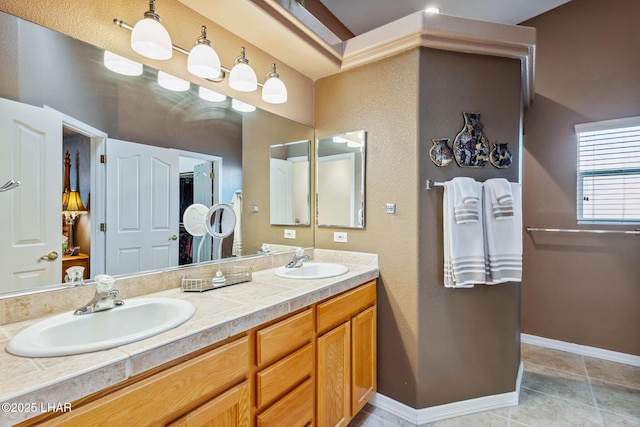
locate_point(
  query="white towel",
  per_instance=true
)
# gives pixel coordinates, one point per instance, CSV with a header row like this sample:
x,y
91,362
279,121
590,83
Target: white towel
x,y
236,203
503,237
499,195
464,255
466,200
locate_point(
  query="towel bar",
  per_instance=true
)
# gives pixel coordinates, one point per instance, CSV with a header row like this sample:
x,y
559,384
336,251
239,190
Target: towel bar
x,y
430,184
572,230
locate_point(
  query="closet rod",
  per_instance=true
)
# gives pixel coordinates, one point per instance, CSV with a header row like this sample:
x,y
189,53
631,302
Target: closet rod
x,y
572,230
430,184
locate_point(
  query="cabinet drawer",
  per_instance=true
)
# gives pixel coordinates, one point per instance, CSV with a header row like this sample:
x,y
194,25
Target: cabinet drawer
x,y
284,337
282,376
168,394
293,410
341,308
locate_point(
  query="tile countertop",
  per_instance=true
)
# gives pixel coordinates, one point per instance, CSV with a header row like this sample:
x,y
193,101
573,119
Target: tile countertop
x,y
34,384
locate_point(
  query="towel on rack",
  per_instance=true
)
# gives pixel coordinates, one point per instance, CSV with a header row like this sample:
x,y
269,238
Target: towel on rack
x,y
464,255
236,203
467,198
503,237
500,196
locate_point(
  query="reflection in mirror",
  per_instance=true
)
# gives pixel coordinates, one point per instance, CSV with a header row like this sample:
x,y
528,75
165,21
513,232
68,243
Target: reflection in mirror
x,y
340,175
289,183
99,109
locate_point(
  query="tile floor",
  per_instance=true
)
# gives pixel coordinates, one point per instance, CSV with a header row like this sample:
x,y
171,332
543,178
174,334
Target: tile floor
x,y
558,389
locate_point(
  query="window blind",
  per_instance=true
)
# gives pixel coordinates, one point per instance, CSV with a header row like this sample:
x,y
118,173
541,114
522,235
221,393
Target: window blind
x,y
608,187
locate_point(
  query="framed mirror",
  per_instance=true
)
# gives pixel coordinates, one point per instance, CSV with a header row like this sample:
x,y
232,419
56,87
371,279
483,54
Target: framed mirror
x,y
289,183
100,107
340,180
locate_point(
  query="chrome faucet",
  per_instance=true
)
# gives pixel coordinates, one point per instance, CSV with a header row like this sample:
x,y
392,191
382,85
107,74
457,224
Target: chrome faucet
x,y
105,297
298,258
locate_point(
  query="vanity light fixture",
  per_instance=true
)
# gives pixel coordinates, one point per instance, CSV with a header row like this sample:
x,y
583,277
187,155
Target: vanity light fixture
x,y
243,107
149,37
210,95
274,91
203,61
242,77
121,65
173,83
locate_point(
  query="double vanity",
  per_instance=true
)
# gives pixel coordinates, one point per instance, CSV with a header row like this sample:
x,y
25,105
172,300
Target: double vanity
x,y
278,349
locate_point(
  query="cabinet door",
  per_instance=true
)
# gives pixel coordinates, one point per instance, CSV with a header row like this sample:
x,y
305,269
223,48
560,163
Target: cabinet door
x,y
334,377
363,358
230,409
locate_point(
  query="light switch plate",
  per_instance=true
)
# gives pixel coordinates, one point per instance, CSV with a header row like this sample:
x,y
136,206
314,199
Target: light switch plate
x,y
340,237
289,234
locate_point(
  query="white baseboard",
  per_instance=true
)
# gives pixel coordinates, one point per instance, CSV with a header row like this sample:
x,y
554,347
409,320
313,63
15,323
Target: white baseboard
x,y
583,350
450,410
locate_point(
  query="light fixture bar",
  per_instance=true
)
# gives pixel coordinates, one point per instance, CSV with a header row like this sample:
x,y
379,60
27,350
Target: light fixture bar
x,y
183,51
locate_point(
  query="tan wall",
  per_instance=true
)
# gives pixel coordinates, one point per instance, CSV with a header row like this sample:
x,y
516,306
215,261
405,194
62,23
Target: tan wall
x,y
260,130
91,21
580,289
436,345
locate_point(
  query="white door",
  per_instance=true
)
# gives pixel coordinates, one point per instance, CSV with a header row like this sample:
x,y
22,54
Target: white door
x,y
31,214
142,207
281,191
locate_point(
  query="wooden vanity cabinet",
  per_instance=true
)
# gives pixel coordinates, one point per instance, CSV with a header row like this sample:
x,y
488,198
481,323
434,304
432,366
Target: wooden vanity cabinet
x,y
346,355
284,372
210,389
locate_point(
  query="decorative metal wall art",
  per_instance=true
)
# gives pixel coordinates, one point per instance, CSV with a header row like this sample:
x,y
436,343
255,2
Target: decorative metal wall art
x,y
470,146
441,152
500,156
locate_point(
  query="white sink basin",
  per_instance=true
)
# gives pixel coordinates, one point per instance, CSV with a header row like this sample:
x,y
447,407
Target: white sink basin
x,y
67,333
313,270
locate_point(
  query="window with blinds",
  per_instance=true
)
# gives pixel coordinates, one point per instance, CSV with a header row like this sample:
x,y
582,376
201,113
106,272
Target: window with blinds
x,y
609,171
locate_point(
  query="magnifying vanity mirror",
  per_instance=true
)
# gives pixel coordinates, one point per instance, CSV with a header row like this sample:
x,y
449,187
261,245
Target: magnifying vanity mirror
x,y
289,183
340,179
99,109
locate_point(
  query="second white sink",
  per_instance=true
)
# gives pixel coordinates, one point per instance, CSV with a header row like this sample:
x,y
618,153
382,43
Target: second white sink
x,y
66,333
313,270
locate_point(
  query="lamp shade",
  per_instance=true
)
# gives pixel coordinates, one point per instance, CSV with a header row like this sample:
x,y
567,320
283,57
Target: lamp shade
x,y
210,95
73,203
149,38
242,106
204,62
121,65
274,91
173,83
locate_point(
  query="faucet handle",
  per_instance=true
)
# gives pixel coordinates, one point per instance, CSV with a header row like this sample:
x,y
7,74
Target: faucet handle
x,y
299,252
104,283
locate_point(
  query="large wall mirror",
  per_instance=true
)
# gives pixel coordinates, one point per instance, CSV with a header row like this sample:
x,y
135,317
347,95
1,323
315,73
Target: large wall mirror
x,y
340,178
289,183
116,129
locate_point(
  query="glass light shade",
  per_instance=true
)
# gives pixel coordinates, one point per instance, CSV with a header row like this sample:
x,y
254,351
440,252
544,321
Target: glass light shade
x,y
210,95
121,65
274,91
204,62
243,78
149,38
243,107
174,83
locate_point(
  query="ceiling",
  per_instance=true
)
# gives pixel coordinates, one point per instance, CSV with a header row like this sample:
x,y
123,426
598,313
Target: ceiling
x,y
360,16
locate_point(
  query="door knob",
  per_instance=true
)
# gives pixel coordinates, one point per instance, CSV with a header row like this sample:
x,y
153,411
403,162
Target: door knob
x,y
51,256
174,237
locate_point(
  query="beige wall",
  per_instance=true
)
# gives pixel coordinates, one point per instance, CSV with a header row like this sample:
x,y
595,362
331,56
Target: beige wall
x,y
436,345
579,288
